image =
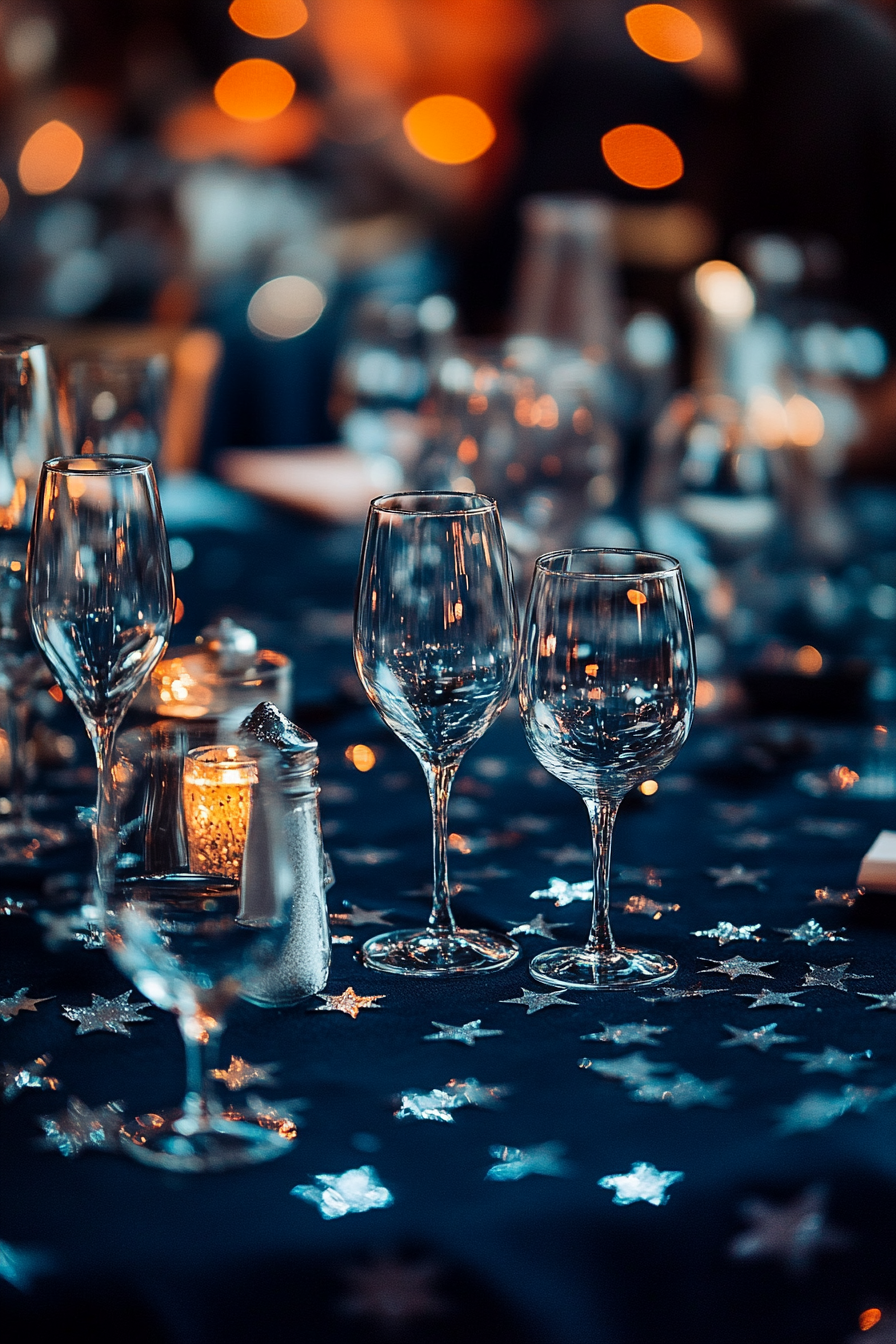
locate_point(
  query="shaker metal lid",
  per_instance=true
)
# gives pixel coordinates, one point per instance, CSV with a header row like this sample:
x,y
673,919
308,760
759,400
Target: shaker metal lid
x,y
267,724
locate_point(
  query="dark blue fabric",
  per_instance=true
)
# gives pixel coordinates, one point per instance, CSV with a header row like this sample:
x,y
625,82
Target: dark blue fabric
x,y
142,1255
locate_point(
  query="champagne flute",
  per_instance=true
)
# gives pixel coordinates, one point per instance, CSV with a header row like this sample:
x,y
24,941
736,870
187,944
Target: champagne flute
x,y
607,696
100,592
435,648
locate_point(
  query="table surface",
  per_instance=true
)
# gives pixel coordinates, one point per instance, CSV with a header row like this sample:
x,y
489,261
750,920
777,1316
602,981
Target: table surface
x,y
545,1258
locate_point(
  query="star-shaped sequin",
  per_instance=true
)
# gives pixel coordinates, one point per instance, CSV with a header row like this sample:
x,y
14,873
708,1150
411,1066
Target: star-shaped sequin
x,y
666,994
632,1070
280,1116
539,927
347,1002
15,1078
817,1110
645,905
79,1127
565,855
356,916
20,1003
435,1105
368,856
830,977
355,1191
887,1001
832,1060
240,1073
761,1039
562,892
739,876
512,1164
812,933
725,932
107,1014
644,1182
772,998
794,1232
626,1033
835,896
735,967
534,1002
682,1091
470,1092
468,1034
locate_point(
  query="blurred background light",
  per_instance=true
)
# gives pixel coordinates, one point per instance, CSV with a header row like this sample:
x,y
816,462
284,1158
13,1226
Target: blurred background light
x,y
649,340
66,226
269,18
642,156
254,90
50,159
199,130
664,32
77,283
449,129
725,291
4,198
805,422
29,46
285,307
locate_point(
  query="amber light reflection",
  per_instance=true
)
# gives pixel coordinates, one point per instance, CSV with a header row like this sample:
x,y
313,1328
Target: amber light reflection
x,y
642,156
869,1318
664,32
50,159
254,90
269,18
449,129
362,757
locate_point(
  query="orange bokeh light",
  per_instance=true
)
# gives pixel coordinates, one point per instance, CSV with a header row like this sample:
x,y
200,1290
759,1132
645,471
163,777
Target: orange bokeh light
x,y
636,597
254,90
449,129
362,757
648,788
200,130
269,18
642,156
4,198
664,32
705,693
50,158
808,661
869,1318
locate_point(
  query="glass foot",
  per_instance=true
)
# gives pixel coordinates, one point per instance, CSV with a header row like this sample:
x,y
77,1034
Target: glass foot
x,y
174,1140
24,841
626,968
422,952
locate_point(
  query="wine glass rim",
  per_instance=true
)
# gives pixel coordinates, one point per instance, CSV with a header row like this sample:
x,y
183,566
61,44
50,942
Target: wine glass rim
x,y
666,567
384,503
101,464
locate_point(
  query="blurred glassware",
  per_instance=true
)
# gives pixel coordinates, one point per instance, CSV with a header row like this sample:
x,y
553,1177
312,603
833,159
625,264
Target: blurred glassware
x,y
222,675
117,404
530,423
100,593
30,425
192,941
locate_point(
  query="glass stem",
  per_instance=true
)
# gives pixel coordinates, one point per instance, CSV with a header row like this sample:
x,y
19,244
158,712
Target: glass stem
x,y
440,777
16,725
201,1042
103,738
602,812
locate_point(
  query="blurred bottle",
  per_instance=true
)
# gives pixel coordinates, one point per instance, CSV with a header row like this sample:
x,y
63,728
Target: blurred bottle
x,y
117,404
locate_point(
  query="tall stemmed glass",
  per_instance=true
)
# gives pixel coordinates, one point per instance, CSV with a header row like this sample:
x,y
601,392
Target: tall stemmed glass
x,y
435,648
100,593
607,695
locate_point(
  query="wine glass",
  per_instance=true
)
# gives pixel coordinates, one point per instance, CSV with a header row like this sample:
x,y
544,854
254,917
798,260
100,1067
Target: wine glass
x,y
100,592
607,696
435,648
197,912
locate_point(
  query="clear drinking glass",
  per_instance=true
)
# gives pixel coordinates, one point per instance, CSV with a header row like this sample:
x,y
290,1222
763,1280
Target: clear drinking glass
x,y
435,648
100,593
196,912
607,696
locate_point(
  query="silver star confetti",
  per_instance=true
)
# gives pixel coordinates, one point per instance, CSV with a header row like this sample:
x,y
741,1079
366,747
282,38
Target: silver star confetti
x,y
512,1164
627,1033
669,995
107,1014
240,1073
887,1001
70,928
735,967
644,1182
356,915
724,933
20,1003
566,854
280,1116
832,1060
735,814
632,1070
752,839
651,877
828,827
739,876
15,1078
645,905
21,1268
10,906
834,896
535,1002
539,927
761,1039
830,977
794,1232
79,1127
341,938
771,998
563,893
355,1191
468,1034
435,1105
817,1110
811,932
347,1002
683,1091
470,1092
368,856
392,1292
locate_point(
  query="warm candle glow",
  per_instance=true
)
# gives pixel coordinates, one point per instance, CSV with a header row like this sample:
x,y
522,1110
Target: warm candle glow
x,y
217,793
